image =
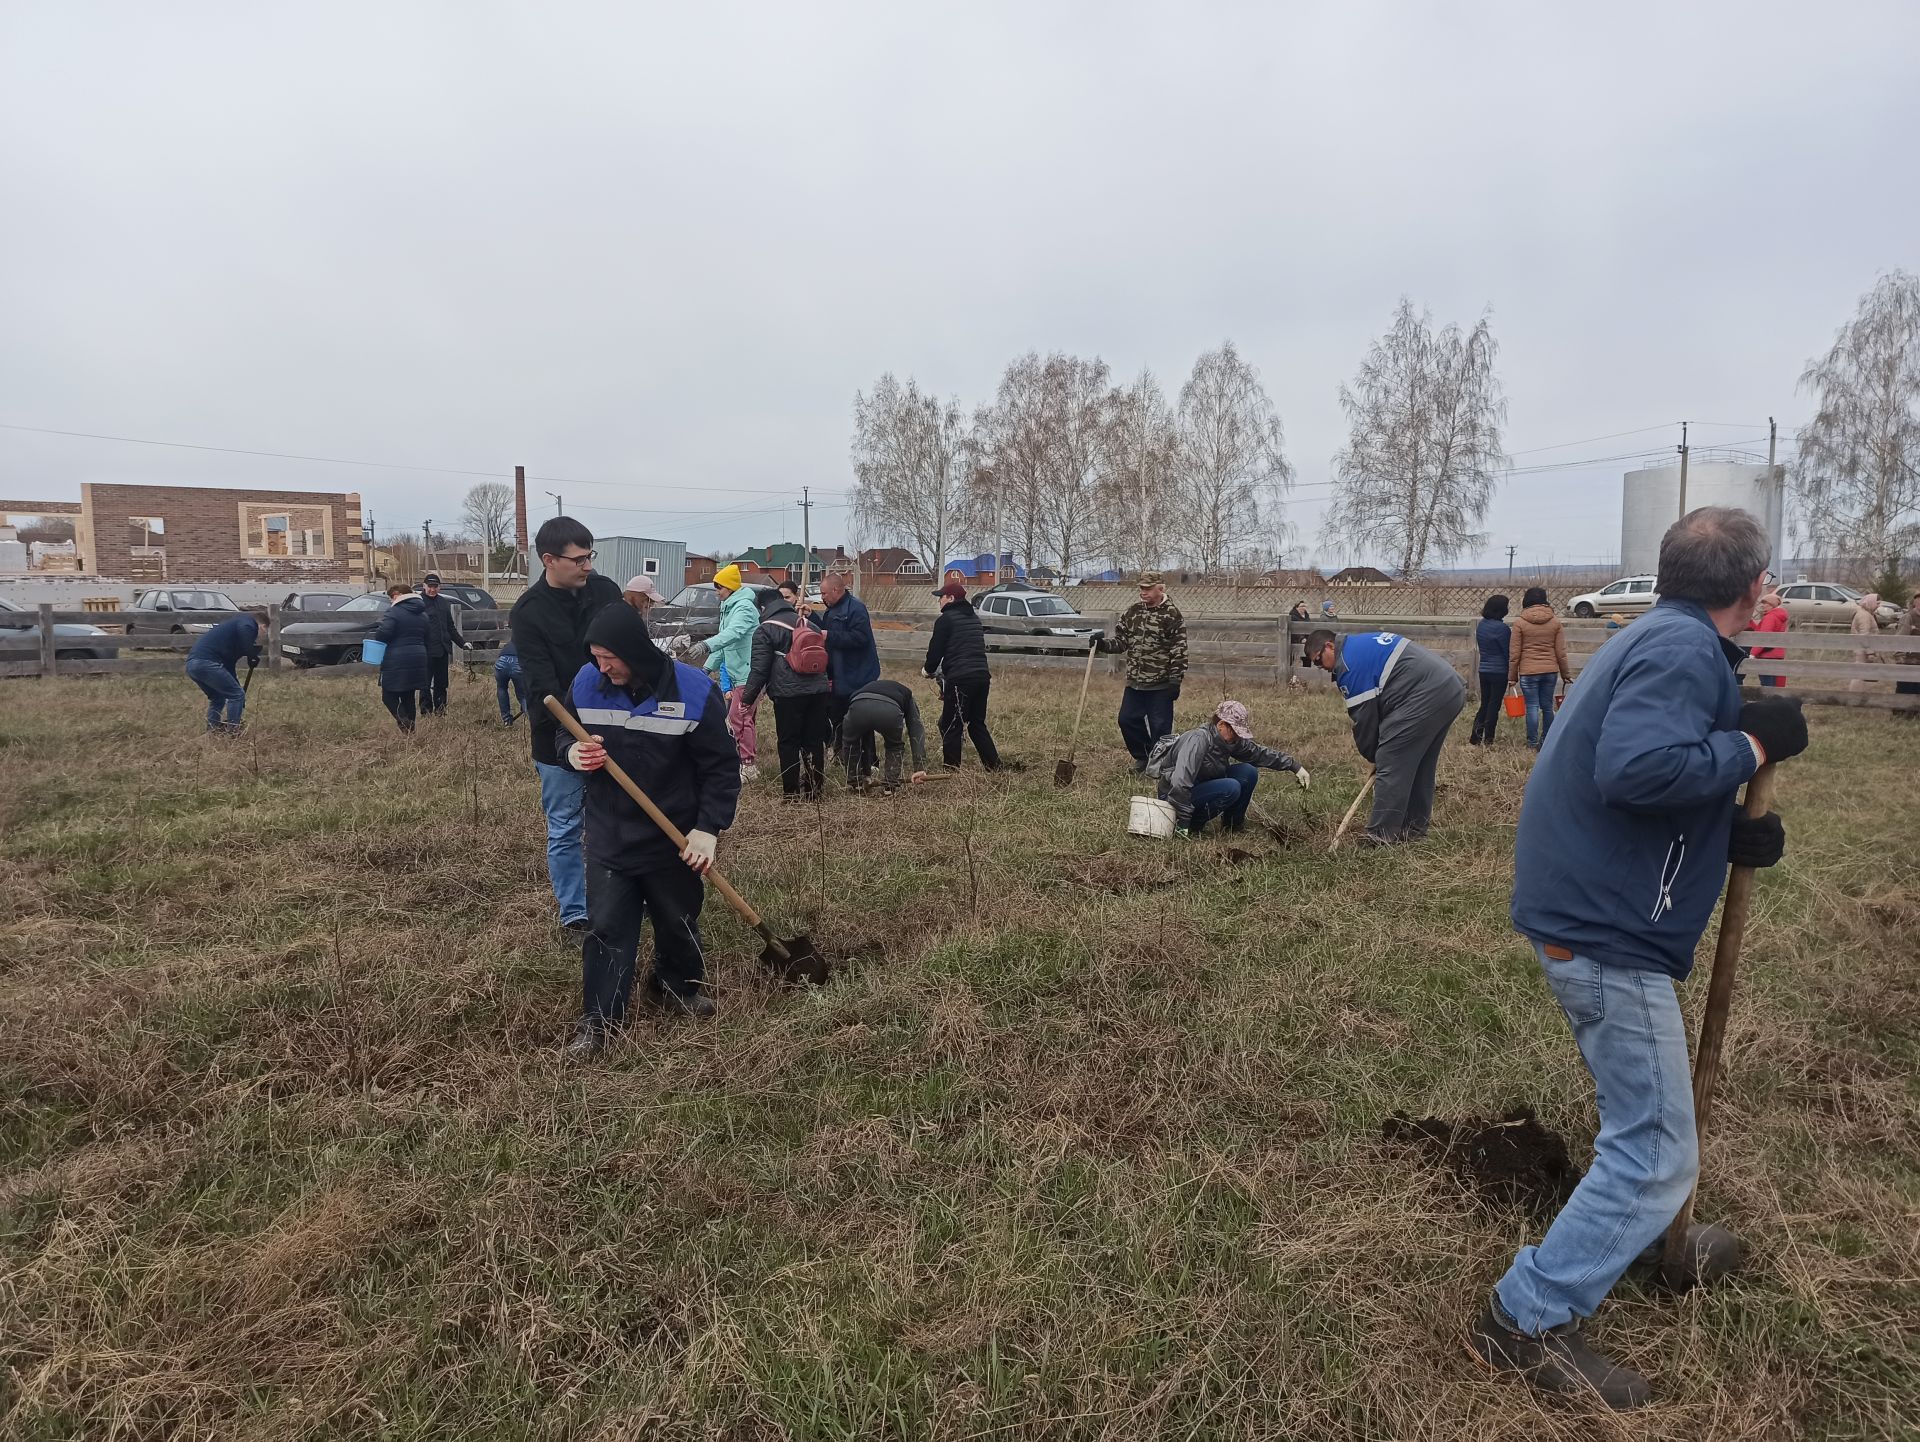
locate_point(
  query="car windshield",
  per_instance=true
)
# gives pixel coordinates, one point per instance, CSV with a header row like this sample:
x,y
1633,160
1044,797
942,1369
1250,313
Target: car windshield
x,y
319,601
367,603
1048,606
1848,593
696,596
202,601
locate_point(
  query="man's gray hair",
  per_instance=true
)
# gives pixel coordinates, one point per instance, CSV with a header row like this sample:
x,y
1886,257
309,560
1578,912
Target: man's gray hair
x,y
1712,556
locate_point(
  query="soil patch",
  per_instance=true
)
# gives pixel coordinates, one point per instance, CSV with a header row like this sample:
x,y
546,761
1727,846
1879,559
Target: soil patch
x,y
1238,857
1509,1162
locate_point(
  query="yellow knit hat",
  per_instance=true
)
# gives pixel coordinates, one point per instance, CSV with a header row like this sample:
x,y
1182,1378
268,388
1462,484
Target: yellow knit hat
x,y
727,578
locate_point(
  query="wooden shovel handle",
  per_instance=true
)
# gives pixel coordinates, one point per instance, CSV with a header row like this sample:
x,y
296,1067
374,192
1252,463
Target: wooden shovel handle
x,y
1073,741
1713,1022
655,814
1341,830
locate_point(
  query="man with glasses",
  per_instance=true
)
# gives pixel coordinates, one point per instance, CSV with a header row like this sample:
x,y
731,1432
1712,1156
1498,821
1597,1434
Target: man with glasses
x,y
549,625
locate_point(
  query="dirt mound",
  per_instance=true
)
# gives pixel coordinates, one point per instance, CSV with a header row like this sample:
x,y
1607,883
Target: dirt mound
x,y
1511,1162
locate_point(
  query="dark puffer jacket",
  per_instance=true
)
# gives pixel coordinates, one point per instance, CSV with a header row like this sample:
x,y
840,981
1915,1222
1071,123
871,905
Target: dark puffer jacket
x,y
550,632
959,645
405,629
772,640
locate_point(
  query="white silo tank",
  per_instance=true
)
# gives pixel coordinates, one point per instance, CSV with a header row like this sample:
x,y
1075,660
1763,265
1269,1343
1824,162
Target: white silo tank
x,y
1650,502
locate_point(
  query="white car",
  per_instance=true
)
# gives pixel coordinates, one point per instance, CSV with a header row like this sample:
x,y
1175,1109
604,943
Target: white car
x,y
1630,593
1831,602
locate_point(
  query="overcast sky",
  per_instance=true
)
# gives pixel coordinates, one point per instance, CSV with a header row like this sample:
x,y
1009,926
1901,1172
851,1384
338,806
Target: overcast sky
x,y
656,250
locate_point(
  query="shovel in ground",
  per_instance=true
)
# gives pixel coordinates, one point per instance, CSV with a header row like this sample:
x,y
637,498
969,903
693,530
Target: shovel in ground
x,y
1678,1267
794,958
1063,770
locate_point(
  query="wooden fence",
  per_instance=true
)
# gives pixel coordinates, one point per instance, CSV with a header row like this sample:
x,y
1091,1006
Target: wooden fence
x,y
1818,666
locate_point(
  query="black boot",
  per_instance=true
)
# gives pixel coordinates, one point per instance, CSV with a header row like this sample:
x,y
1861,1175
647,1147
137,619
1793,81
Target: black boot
x,y
1558,1361
589,1040
1712,1253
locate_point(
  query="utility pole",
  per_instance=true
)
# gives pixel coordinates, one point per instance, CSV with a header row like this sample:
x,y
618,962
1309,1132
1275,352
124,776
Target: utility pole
x,y
1773,437
1510,551
559,506
806,539
426,547
1683,470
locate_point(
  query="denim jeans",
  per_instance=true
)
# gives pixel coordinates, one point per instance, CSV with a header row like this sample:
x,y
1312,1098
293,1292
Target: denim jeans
x,y
1631,1036
1145,716
562,795
1226,797
223,691
506,673
1538,691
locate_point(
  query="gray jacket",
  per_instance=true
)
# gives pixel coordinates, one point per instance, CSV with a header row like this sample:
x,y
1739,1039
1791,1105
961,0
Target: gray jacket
x,y
1416,692
1182,762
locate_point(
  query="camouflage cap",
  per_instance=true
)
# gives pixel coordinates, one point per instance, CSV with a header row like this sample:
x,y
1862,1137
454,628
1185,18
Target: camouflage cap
x,y
1151,578
1235,715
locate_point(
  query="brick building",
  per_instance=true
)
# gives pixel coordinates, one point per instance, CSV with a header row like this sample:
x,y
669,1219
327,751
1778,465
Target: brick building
x,y
200,534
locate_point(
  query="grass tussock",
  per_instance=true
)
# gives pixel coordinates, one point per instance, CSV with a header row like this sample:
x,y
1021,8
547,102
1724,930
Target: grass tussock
x,y
1084,1141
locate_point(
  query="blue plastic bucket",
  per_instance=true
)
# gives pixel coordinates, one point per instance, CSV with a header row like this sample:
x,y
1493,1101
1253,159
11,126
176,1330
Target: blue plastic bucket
x,y
373,652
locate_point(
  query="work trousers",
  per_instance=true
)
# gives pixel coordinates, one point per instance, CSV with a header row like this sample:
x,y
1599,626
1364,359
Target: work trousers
x,y
434,700
223,692
837,703
1405,763
617,902
1628,1027
1145,716
744,726
800,728
1493,695
963,707
400,706
867,717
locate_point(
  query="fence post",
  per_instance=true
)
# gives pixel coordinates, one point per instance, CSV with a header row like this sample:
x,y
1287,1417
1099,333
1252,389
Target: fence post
x,y
273,636
49,656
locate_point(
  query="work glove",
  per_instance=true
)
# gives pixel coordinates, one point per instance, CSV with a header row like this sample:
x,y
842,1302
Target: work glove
x,y
699,852
589,755
1776,724
1303,779
1757,841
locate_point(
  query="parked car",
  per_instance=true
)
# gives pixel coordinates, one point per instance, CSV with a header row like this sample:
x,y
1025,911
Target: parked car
x,y
156,611
72,641
470,596
686,623
311,601
1812,602
1630,593
1021,611
336,637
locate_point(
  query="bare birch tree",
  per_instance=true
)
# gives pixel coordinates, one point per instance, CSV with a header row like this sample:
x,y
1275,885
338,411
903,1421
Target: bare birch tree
x,y
913,461
1139,452
1015,438
488,510
1074,393
1424,452
1857,475
1232,457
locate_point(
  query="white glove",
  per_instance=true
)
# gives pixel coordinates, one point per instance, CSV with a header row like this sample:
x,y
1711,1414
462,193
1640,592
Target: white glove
x,y
1303,778
700,849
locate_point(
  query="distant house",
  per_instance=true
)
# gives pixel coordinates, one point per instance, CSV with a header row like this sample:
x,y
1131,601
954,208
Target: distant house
x,y
700,569
1360,576
462,562
783,562
1299,580
986,569
890,566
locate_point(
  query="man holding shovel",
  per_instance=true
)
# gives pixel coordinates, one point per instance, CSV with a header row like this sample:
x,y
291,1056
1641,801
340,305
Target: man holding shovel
x,y
664,723
1625,833
1153,634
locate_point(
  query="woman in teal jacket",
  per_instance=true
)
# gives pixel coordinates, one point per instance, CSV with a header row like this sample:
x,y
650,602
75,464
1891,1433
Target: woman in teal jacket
x,y
730,658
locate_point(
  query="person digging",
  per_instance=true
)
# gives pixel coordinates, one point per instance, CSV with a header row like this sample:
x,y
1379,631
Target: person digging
x,y
1212,771
1626,830
665,724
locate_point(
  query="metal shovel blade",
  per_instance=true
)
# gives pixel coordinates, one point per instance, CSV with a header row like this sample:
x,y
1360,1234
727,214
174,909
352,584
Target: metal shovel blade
x,y
1063,773
800,964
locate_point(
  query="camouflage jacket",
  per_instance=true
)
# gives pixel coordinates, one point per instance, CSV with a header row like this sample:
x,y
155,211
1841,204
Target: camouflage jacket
x,y
1155,640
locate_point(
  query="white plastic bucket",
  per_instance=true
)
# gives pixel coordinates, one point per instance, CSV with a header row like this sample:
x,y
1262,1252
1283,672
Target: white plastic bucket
x,y
1150,816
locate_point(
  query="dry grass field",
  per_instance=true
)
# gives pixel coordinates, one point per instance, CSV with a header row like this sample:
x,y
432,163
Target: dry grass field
x,y
1083,1142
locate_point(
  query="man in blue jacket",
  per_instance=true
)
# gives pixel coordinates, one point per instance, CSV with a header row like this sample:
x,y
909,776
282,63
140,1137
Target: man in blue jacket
x,y
665,724
211,662
1625,834
853,661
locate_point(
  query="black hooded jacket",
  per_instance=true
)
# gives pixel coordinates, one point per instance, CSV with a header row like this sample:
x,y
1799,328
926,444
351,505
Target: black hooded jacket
x,y
959,645
550,635
667,729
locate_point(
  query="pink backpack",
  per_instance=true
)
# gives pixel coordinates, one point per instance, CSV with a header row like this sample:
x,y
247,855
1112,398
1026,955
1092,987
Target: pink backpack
x,y
807,654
